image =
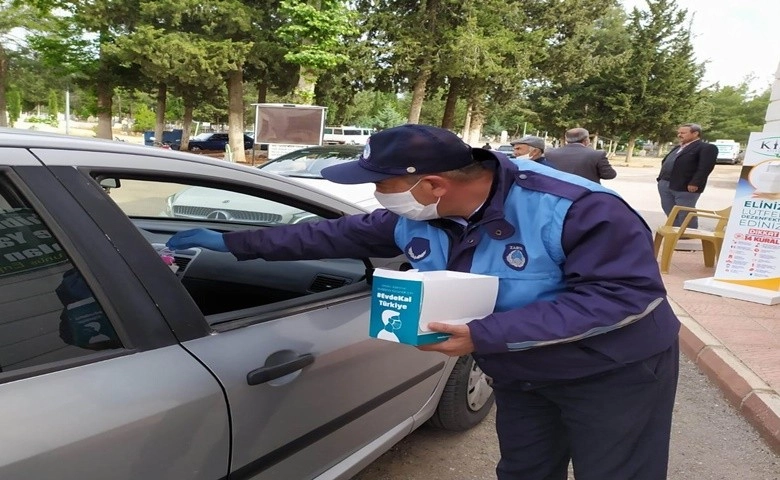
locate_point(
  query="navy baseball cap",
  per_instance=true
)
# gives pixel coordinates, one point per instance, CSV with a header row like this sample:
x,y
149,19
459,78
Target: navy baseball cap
x,y
406,150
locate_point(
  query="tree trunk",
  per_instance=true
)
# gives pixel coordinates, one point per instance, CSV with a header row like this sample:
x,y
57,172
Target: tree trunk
x,y
159,123
477,120
448,119
3,85
304,91
467,123
418,94
235,86
186,124
104,104
630,148
262,92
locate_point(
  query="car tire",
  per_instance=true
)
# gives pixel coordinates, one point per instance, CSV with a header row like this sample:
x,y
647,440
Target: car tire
x,y
194,149
467,397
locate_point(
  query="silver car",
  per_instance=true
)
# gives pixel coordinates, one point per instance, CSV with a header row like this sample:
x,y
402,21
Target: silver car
x,y
305,165
121,360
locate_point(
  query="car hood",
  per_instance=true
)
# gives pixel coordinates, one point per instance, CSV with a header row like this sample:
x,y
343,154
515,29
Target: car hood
x,y
229,201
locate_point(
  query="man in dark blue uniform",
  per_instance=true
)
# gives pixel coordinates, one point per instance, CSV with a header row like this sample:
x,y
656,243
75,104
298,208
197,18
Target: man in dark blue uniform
x,y
582,346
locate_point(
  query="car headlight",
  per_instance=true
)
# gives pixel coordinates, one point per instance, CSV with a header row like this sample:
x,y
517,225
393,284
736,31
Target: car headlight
x,y
168,212
304,217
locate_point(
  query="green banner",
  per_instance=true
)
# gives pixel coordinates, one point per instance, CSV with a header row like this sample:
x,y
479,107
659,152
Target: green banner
x,y
26,244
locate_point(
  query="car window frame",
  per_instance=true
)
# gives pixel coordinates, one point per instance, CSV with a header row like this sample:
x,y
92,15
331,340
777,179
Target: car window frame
x,y
92,255
243,317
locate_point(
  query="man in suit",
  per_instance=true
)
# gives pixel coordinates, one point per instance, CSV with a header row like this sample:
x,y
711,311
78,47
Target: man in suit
x,y
576,157
684,172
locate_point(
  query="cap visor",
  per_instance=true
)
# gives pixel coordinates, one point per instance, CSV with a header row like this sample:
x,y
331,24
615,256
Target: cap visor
x,y
482,154
352,173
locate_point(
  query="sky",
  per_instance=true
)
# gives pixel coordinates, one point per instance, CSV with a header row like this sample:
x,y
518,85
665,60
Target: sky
x,y
737,38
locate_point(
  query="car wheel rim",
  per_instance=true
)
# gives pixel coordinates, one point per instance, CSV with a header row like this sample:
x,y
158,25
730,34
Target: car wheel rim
x,y
479,391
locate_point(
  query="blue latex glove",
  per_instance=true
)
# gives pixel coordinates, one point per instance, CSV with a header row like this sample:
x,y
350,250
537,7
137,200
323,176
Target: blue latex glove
x,y
197,237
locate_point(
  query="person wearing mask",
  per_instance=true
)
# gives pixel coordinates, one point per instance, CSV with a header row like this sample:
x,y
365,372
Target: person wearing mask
x,y
531,148
582,346
578,158
684,172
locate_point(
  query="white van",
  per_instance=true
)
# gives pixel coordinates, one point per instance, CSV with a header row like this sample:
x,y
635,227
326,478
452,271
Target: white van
x,y
346,135
728,151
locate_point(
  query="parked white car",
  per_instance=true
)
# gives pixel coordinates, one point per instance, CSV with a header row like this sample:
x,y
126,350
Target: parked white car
x,y
346,135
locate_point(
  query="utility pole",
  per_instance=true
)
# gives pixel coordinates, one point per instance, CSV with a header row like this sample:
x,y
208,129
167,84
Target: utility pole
x,y
67,111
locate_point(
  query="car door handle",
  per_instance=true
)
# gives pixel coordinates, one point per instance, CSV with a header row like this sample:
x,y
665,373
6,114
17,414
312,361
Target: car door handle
x,y
264,374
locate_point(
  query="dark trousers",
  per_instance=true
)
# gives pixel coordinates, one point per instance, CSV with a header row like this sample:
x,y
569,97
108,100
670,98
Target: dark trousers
x,y
670,198
612,426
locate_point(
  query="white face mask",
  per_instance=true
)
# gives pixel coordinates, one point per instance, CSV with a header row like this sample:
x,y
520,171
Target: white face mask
x,y
405,205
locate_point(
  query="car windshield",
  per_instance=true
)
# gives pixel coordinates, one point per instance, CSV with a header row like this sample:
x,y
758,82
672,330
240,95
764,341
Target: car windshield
x,y
308,163
202,136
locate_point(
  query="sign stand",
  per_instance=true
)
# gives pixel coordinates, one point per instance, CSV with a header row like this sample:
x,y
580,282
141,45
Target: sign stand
x,y
749,262
731,290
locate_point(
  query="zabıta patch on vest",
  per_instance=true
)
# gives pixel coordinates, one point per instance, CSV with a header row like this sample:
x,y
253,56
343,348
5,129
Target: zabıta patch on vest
x,y
515,256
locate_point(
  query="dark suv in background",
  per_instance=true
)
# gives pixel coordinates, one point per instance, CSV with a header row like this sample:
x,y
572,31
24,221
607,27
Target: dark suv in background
x,y
212,141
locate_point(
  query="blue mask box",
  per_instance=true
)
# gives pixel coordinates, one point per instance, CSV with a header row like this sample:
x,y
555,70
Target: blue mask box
x,y
403,303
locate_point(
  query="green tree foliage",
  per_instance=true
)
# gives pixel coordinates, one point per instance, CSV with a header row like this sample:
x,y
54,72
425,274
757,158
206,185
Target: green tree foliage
x,y
521,66
192,51
144,118
75,43
408,38
14,100
597,102
313,32
735,112
583,38
54,105
265,67
13,15
32,78
487,55
661,78
387,117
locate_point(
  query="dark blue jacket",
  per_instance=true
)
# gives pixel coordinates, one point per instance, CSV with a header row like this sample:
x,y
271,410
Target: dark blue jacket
x,y
609,271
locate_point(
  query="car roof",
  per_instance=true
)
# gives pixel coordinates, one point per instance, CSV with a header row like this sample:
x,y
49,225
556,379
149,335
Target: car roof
x,y
10,137
348,149
332,148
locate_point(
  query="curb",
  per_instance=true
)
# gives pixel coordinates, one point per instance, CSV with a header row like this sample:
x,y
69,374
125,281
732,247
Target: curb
x,y
758,402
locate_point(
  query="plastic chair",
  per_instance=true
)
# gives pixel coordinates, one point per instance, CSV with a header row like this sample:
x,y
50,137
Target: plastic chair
x,y
667,235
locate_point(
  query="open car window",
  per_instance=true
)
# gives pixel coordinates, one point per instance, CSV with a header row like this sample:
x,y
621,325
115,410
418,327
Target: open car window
x,y
227,291
150,198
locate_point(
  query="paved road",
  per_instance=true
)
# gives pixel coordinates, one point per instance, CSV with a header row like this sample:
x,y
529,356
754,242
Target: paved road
x,y
710,440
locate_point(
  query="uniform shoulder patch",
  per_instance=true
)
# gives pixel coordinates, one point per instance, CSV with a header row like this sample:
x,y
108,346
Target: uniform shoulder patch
x,y
417,249
531,180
